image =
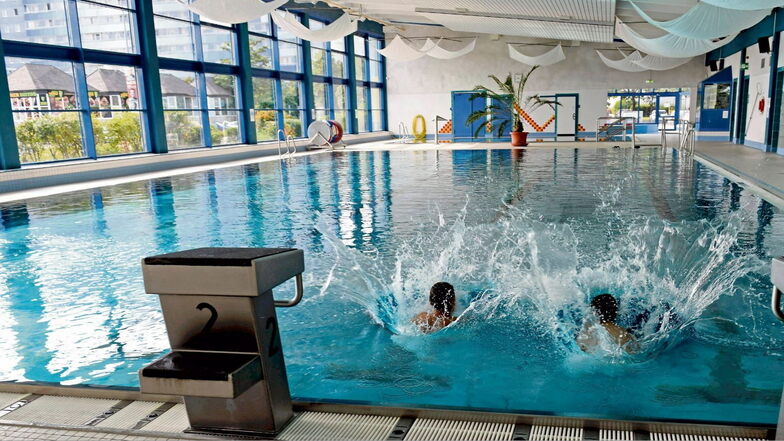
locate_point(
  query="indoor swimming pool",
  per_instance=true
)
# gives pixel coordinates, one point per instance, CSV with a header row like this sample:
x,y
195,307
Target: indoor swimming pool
x,y
526,237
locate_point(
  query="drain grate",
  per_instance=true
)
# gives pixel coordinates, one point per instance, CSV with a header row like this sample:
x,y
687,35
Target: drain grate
x,y
656,436
680,433
615,435
129,416
315,426
174,420
51,409
453,430
556,433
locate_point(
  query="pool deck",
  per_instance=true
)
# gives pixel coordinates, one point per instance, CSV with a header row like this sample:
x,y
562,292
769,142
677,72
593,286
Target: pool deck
x,y
63,417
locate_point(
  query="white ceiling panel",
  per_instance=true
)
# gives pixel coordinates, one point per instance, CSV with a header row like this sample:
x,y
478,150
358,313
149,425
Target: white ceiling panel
x,y
594,10
524,28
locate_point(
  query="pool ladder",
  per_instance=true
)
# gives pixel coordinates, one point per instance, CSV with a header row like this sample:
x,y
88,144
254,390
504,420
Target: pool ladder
x,y
687,136
291,145
405,136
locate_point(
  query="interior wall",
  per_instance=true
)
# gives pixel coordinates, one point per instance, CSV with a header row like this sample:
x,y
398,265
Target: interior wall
x,y
424,86
759,87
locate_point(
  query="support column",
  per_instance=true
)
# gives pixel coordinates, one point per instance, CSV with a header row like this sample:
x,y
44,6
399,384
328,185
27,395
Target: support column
x,y
152,98
246,86
307,68
384,94
352,85
773,100
741,112
9,148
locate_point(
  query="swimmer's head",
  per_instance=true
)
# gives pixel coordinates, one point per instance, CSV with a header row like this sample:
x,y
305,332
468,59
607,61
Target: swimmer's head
x,y
606,307
442,297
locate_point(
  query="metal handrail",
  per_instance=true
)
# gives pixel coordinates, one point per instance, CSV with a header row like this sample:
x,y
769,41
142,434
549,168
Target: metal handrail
x,y
290,138
616,122
438,118
664,132
298,294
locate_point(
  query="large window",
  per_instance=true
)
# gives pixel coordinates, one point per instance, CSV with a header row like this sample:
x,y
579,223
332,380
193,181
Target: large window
x,y
293,107
266,113
224,112
64,108
47,117
647,106
75,77
183,109
368,68
278,83
201,109
330,80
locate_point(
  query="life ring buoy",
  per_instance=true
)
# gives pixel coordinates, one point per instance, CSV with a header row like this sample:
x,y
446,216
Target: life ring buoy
x,y
337,134
419,135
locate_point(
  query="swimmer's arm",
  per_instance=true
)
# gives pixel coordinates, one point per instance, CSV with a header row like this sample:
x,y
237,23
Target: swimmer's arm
x,y
629,343
586,339
420,318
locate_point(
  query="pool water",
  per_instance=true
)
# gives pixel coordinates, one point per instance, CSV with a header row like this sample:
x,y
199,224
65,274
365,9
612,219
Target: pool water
x,y
526,237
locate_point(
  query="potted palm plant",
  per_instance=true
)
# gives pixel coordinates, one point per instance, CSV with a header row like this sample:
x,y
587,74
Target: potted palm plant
x,y
506,102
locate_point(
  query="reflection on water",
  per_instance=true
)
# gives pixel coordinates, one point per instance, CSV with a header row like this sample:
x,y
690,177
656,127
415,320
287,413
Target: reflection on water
x,y
526,237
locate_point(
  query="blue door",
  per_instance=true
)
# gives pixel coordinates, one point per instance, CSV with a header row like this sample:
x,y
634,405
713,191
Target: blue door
x,y
462,106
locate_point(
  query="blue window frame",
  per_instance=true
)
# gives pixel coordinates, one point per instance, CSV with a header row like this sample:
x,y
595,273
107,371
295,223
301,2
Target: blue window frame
x,y
73,78
167,79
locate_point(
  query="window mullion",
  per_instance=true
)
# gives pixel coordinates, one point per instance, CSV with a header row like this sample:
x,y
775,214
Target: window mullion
x,y
80,82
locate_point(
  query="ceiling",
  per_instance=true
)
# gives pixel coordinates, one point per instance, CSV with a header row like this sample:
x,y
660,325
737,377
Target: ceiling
x,y
576,20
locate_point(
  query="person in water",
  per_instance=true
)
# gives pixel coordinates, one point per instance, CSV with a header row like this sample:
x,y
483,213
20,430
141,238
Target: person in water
x,y
442,299
605,308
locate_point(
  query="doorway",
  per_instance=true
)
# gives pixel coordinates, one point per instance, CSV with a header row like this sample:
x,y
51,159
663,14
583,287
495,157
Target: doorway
x,y
566,116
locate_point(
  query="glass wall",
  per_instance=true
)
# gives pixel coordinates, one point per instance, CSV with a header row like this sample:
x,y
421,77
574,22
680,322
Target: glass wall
x,y
63,107
369,72
648,106
81,95
330,80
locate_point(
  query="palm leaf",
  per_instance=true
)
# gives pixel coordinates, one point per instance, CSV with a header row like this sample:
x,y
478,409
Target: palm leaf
x,y
502,128
476,116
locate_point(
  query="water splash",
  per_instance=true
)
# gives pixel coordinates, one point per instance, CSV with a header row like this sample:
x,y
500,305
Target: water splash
x,y
540,276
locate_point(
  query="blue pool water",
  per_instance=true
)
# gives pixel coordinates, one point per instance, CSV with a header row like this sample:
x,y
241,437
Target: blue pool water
x,y
526,237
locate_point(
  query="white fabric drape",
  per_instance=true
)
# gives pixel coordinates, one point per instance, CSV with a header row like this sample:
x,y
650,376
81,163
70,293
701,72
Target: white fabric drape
x,y
429,44
334,31
706,21
668,45
552,56
399,50
653,62
626,64
442,54
745,5
233,11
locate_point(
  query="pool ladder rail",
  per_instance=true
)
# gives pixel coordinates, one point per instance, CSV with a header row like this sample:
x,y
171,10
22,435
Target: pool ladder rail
x,y
609,127
687,135
405,135
438,119
291,145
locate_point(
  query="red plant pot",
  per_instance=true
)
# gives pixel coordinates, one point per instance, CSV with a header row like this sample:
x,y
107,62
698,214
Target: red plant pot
x,y
519,139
